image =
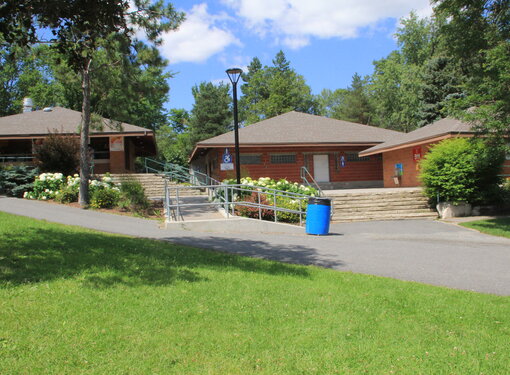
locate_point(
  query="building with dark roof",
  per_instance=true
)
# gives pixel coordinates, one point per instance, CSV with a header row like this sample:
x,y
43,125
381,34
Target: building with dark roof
x,y
401,155
280,146
115,144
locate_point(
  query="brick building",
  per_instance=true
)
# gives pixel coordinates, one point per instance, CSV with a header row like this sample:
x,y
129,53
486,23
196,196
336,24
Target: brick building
x,y
401,155
115,145
278,147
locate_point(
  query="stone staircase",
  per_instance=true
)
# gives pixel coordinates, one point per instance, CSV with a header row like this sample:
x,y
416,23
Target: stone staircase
x,y
154,184
379,204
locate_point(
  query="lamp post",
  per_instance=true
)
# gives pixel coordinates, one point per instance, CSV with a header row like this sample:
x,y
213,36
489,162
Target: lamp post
x,y
234,74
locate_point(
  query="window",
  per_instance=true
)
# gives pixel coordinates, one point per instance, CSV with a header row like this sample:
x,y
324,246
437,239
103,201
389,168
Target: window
x,y
283,159
251,159
101,147
354,156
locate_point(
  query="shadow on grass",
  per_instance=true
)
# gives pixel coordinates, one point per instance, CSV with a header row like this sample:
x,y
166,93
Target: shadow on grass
x,y
42,252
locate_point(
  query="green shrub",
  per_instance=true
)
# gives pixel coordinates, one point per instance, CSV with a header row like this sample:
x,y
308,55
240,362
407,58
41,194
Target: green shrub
x,y
104,197
133,198
462,170
68,194
17,180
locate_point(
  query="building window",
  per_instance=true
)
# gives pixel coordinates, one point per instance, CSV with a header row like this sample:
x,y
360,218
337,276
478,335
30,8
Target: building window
x,y
251,159
354,156
283,159
101,147
508,151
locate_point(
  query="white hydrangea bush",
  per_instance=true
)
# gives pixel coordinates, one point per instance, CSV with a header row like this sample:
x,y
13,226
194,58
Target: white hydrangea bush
x,y
56,186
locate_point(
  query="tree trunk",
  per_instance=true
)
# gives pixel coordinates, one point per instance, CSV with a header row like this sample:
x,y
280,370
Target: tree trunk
x,y
84,137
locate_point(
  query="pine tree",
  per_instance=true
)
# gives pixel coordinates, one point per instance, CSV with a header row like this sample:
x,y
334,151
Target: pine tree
x,y
211,114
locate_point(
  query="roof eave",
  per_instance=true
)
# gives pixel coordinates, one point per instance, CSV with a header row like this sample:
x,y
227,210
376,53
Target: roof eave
x,y
415,143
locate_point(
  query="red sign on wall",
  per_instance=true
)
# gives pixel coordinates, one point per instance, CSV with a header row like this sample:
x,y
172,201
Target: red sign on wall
x,y
417,154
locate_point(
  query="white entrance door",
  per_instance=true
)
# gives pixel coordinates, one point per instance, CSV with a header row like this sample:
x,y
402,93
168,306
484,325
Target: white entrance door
x,y
321,168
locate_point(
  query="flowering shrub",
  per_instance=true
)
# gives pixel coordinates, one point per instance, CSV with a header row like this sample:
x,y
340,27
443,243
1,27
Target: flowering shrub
x,y
103,193
69,192
282,184
46,186
267,198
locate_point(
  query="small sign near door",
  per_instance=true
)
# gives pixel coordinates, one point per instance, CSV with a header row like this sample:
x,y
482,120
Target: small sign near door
x,y
116,143
226,161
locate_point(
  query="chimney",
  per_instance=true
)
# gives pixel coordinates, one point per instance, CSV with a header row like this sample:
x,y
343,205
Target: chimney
x,y
28,105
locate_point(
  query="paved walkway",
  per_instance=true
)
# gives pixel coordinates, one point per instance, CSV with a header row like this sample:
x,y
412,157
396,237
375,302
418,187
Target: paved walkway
x,y
426,251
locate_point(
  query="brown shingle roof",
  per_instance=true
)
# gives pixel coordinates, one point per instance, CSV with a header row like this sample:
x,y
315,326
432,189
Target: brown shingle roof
x,y
436,129
301,128
60,119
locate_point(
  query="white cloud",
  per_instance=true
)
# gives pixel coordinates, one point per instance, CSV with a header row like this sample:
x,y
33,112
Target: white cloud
x,y
199,37
294,22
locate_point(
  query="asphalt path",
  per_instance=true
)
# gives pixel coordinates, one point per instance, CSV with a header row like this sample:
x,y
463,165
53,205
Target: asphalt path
x,y
425,251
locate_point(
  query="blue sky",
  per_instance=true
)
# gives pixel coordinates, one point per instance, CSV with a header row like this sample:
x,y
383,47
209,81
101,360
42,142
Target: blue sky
x,y
326,41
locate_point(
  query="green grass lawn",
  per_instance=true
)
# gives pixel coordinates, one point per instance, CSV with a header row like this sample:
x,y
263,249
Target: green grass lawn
x,y
496,227
75,301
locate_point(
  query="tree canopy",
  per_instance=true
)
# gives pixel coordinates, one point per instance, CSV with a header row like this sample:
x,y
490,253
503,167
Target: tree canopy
x,y
273,90
78,30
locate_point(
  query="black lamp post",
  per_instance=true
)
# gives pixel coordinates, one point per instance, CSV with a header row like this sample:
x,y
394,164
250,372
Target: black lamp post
x,y
234,74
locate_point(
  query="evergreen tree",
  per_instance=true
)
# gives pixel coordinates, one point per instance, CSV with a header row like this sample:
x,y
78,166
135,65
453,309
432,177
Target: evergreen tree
x,y
356,106
274,90
440,84
211,114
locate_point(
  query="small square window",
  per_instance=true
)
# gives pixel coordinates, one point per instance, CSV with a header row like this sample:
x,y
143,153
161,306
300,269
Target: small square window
x,y
354,156
283,159
250,159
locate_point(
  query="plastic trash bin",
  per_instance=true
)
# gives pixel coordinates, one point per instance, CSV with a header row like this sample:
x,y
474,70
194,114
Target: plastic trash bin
x,y
318,213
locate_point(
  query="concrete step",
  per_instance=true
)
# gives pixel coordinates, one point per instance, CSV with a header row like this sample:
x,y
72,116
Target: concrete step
x,y
379,204
154,184
351,209
375,201
385,216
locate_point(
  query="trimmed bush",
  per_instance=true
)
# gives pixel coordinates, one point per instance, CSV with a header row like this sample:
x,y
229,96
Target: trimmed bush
x,y
462,170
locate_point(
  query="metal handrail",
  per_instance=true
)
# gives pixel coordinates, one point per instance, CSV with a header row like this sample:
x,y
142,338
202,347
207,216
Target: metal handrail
x,y
178,173
16,157
224,197
305,172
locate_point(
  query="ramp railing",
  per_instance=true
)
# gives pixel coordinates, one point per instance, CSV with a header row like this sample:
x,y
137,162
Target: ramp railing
x,y
234,200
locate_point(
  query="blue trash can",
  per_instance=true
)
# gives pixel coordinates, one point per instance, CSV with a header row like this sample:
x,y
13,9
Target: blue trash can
x,y
318,212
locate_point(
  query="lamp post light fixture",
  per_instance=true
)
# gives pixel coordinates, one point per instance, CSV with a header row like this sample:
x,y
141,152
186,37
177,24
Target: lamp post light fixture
x,y
234,74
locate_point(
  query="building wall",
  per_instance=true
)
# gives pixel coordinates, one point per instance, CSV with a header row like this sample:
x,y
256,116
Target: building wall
x,y
411,170
353,171
410,166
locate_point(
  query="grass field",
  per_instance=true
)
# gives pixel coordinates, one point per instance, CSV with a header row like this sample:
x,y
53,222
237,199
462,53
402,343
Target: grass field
x,y
496,227
75,301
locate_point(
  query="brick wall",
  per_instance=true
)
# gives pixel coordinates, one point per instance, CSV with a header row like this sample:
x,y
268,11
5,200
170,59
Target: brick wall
x,y
369,170
404,156
411,171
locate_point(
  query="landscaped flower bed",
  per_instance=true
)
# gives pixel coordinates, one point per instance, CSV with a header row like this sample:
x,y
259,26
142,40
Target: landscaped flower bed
x,y
104,193
263,188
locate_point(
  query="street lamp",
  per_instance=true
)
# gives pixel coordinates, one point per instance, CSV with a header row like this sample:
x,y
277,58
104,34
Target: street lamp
x,y
234,74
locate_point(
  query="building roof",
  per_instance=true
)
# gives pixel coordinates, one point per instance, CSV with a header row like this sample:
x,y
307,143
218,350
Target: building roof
x,y
440,128
61,120
295,128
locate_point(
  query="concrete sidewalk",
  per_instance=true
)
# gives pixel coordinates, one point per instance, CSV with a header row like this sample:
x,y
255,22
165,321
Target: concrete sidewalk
x,y
425,251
